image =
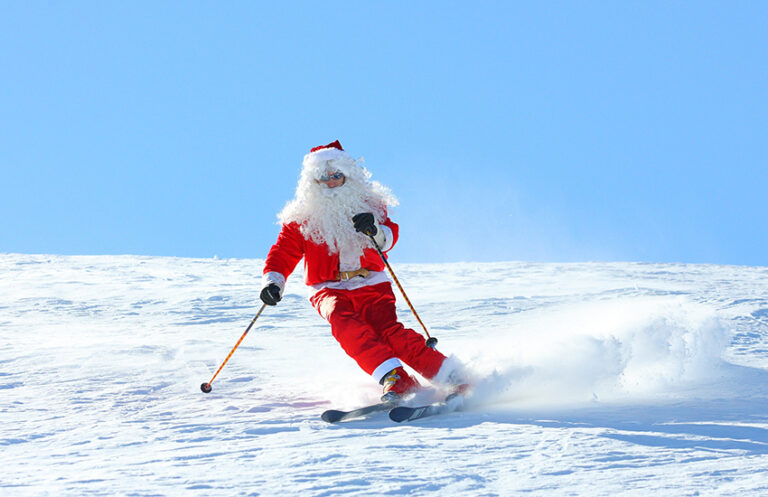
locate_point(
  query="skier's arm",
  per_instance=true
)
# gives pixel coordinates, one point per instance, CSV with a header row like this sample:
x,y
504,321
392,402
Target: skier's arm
x,y
282,259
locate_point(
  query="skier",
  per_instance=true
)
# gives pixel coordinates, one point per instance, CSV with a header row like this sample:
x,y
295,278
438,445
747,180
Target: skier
x,y
336,205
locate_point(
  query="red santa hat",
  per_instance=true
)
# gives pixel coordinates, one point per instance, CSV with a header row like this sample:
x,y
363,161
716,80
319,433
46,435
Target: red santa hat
x,y
335,144
318,157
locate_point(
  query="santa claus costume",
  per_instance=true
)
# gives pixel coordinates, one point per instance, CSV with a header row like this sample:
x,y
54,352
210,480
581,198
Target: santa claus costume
x,y
335,203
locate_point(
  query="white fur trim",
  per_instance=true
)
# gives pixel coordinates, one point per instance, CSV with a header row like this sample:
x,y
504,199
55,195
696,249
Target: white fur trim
x,y
386,232
273,277
450,365
324,155
380,237
385,367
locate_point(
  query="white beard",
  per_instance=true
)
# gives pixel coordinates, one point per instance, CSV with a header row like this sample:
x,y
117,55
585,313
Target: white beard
x,y
325,214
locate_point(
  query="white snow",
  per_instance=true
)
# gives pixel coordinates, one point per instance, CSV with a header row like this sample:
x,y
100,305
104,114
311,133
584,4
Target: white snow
x,y
596,379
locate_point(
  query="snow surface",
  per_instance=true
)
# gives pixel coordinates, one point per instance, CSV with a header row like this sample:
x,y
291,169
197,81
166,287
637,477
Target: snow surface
x,y
596,379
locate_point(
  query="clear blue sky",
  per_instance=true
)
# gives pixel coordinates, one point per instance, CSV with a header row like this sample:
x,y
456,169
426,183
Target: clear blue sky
x,y
535,131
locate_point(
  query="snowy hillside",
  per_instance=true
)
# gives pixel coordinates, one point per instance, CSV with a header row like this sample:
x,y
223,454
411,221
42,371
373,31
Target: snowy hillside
x,y
599,379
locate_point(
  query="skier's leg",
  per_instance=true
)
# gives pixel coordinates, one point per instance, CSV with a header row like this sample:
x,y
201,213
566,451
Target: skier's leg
x,y
408,345
358,339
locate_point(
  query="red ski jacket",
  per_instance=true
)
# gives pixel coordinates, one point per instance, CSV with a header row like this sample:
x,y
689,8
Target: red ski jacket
x,y
319,265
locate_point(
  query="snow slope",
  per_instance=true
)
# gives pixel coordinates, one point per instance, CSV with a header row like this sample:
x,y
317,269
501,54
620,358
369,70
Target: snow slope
x,y
597,379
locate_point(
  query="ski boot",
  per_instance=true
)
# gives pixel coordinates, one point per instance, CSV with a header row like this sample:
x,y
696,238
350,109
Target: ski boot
x,y
397,384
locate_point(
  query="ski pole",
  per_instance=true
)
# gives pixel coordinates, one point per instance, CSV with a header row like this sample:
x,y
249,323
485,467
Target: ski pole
x,y
431,341
206,387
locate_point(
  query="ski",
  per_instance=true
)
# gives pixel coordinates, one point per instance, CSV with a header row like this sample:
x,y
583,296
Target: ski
x,y
336,416
403,413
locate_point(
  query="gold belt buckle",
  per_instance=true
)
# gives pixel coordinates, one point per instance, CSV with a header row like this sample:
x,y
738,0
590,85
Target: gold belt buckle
x,y
348,275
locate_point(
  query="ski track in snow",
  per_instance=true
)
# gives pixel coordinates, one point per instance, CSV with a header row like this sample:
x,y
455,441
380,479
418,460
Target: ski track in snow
x,y
595,379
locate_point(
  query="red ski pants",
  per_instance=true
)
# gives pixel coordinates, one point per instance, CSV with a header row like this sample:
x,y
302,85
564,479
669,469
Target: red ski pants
x,y
364,322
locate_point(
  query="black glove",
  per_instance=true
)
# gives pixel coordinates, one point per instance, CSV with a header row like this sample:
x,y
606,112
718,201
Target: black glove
x,y
364,223
270,294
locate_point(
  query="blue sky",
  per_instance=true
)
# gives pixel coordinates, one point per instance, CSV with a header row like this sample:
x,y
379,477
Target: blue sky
x,y
533,131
